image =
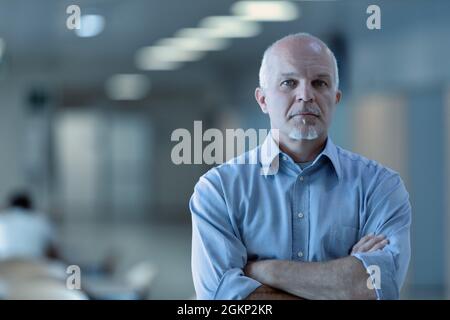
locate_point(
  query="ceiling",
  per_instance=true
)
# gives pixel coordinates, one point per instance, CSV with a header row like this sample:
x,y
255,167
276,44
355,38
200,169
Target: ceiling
x,y
38,41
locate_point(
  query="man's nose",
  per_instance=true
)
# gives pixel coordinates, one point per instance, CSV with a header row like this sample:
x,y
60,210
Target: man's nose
x,y
304,92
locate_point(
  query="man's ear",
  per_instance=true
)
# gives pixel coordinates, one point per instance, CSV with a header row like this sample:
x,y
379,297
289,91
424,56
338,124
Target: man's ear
x,y
338,96
261,99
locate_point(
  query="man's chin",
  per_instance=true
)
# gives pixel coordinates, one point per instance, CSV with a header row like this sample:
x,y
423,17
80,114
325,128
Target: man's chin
x,y
303,134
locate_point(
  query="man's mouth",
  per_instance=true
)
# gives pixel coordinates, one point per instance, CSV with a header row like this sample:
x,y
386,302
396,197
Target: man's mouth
x,y
303,114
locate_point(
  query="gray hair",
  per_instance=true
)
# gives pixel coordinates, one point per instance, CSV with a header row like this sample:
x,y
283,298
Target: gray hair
x,y
264,69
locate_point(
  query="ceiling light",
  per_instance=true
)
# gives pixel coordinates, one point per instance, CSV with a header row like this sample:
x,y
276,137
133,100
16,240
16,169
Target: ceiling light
x,y
144,63
90,26
195,43
230,27
165,54
265,10
195,33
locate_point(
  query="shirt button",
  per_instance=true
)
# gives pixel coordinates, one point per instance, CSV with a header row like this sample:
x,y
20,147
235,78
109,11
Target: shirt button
x,y
300,254
300,215
301,178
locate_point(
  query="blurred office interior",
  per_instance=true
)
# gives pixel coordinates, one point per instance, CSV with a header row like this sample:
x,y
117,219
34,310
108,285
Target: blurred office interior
x,y
86,118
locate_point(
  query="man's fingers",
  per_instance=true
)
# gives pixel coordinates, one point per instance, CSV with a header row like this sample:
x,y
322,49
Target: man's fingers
x,y
379,245
361,242
372,242
366,238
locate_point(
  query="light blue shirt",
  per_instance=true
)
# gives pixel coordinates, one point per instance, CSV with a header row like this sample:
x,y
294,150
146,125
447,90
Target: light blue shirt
x,y
272,209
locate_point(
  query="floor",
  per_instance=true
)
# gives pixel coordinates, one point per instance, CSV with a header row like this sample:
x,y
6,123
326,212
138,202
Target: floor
x,y
168,247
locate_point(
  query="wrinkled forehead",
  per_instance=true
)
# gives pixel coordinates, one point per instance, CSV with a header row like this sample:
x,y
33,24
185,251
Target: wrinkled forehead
x,y
303,56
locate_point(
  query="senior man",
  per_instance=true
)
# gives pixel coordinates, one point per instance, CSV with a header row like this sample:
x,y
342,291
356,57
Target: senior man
x,y
309,219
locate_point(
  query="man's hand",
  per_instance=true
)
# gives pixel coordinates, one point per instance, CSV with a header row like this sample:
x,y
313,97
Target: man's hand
x,y
370,243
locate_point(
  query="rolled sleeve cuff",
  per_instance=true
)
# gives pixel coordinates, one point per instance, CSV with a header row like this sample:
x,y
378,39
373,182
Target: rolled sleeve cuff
x,y
234,285
387,287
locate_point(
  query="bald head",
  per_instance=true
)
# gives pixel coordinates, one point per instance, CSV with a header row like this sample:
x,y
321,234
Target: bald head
x,y
302,45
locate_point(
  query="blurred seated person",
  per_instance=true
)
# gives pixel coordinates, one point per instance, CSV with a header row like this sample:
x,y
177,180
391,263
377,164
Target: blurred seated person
x,y
24,232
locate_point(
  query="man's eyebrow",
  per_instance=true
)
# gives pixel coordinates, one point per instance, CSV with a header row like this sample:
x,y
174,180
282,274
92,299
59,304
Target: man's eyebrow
x,y
320,75
324,75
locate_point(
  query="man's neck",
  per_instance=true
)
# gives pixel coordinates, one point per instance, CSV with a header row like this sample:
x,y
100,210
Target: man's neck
x,y
302,150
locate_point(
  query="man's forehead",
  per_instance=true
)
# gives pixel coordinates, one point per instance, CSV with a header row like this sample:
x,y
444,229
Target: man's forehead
x,y
316,72
303,46
301,66
308,53
314,46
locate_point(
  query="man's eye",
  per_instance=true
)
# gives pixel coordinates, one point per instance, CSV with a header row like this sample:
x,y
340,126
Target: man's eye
x,y
288,83
319,84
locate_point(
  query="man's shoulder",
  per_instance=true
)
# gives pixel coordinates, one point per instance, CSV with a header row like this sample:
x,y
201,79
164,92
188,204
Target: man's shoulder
x,y
352,162
246,161
238,167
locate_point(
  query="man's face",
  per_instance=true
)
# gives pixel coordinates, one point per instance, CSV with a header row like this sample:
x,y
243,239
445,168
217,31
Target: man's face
x,y
300,93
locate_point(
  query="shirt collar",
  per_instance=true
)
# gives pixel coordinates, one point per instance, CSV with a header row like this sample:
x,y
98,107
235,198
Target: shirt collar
x,y
270,155
331,152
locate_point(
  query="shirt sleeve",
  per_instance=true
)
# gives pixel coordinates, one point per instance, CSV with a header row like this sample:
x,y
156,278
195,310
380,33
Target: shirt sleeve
x,y
389,213
218,254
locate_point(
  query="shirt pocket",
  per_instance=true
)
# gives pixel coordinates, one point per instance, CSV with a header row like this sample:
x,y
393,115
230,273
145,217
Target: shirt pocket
x,y
340,241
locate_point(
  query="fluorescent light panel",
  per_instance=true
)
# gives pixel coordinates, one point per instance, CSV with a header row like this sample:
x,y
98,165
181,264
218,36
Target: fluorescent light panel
x,y
195,43
149,58
230,27
265,10
144,63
